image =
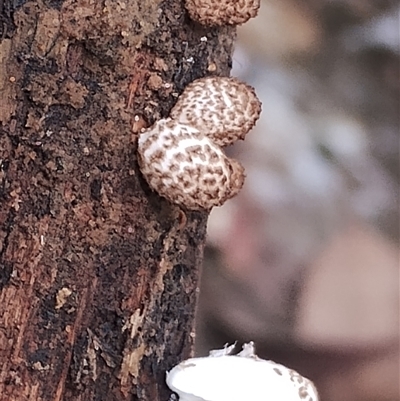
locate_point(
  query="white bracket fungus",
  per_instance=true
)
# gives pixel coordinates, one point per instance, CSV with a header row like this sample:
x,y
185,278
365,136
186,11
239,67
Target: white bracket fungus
x,y
181,156
242,377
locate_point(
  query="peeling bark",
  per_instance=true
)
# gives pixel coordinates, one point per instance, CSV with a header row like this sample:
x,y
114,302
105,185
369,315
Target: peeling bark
x,y
98,275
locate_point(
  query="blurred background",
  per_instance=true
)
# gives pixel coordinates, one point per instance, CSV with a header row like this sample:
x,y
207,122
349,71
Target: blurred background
x,y
305,260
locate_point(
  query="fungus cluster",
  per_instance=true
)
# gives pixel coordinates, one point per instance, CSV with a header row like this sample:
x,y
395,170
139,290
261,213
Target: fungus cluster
x,y
181,156
225,377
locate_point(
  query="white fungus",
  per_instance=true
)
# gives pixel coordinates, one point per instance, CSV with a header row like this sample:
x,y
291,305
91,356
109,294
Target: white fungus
x,y
242,377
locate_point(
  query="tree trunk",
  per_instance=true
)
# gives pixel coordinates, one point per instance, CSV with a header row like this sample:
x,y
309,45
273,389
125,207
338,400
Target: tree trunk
x,y
98,274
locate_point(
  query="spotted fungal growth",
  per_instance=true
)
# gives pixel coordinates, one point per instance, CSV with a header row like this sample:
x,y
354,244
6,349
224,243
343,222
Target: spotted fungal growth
x,y
181,156
224,108
186,167
225,377
222,12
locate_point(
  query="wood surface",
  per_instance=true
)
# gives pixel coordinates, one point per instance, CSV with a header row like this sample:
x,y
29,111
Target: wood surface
x,y
98,274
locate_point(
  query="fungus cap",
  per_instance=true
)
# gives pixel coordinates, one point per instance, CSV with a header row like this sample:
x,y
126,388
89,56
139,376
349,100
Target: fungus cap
x,y
223,108
222,12
186,167
241,377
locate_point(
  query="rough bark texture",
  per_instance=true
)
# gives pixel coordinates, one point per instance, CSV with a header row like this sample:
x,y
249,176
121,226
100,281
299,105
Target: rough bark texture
x,y
98,275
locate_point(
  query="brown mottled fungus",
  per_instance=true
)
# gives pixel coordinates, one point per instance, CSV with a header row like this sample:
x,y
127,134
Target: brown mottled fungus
x,y
186,167
222,12
224,108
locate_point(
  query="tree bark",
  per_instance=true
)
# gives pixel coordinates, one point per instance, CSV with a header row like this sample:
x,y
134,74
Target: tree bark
x,y
98,274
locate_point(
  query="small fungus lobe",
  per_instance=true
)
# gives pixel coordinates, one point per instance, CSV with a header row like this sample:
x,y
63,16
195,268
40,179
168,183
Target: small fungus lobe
x,y
222,12
224,108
